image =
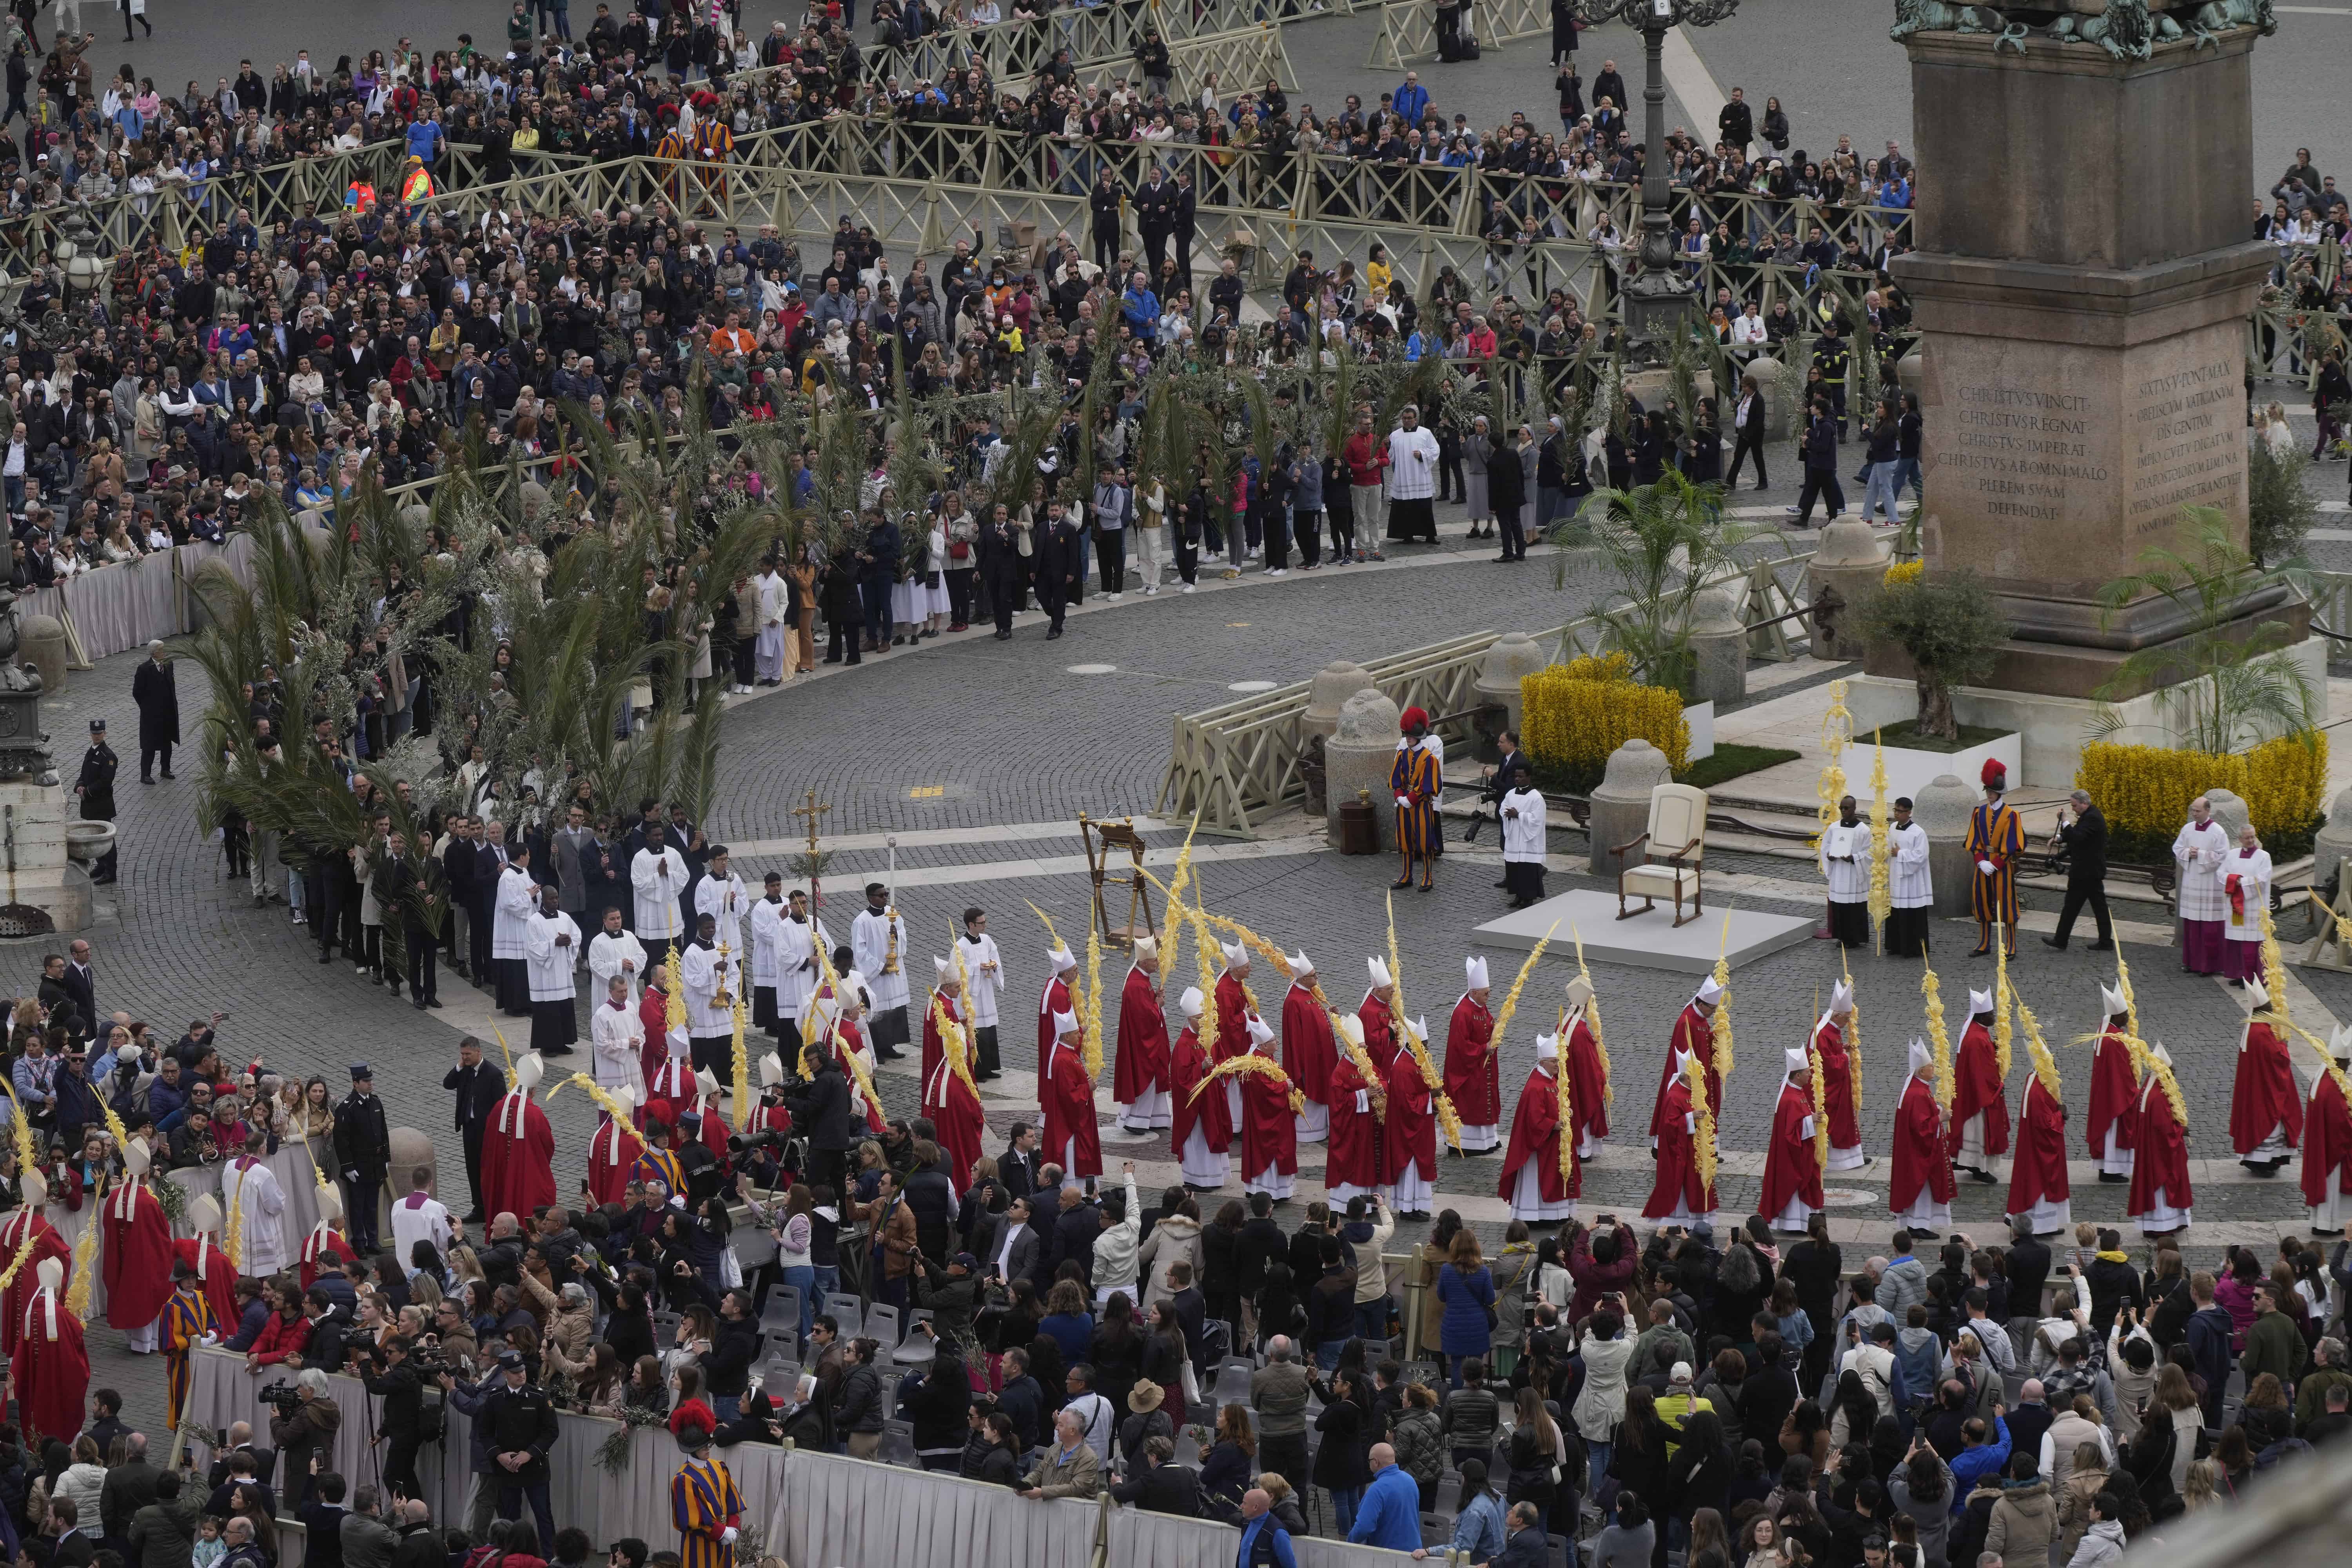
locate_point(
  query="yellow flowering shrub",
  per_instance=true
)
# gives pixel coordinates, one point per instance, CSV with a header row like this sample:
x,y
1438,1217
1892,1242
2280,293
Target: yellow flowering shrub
x,y
2145,791
1577,714
1905,571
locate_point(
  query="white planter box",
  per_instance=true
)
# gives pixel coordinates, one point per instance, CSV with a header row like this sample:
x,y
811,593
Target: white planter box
x,y
1700,715
1909,772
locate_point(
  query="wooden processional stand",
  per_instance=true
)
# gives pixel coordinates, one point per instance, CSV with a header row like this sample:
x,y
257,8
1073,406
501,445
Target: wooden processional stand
x,y
1101,839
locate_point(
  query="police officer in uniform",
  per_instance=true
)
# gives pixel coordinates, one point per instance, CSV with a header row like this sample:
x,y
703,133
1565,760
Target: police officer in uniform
x,y
96,787
363,1152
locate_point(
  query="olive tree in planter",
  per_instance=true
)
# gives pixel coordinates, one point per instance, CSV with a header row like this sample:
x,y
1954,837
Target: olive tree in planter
x,y
1950,627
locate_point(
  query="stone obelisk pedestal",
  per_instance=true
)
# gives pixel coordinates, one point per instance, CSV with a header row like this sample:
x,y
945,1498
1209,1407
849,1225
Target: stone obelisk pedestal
x,y
2084,338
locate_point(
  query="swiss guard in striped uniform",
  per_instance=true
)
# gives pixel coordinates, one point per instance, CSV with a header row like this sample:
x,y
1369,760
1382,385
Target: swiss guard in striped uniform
x,y
1416,780
657,1164
188,1321
1996,843
704,1503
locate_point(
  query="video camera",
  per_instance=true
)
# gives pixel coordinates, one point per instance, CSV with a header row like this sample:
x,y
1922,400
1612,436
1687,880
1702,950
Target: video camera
x,y
283,1397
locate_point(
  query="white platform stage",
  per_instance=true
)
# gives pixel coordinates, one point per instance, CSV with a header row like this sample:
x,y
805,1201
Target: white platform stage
x,y
1647,941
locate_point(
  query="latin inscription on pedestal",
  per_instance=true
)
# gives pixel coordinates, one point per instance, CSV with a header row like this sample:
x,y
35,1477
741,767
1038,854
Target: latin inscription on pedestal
x,y
2053,465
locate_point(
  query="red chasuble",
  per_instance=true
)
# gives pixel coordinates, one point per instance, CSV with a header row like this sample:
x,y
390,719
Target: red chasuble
x,y
1919,1157
2326,1144
518,1159
2161,1157
1269,1130
2038,1173
1230,1020
1588,1087
1977,1086
1353,1155
1308,1052
1792,1167
1837,1087
1472,1073
1694,1033
1055,999
47,1243
1069,1115
1143,1064
1535,1135
1677,1158
1382,1040
2114,1094
138,1264
953,1106
1190,1065
51,1370
2264,1094
1412,1121
611,1152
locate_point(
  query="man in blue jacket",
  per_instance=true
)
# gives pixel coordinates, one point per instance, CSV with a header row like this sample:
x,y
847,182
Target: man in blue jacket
x,y
1265,1544
1411,100
1390,1514
2208,1335
1987,1454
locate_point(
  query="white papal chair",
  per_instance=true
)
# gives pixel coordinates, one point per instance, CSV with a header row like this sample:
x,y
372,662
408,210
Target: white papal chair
x,y
1672,850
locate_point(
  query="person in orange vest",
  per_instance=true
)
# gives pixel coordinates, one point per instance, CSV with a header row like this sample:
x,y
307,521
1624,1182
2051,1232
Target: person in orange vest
x,y
417,186
359,197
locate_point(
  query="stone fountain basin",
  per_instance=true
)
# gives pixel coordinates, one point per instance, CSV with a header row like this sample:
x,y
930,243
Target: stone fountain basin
x,y
86,840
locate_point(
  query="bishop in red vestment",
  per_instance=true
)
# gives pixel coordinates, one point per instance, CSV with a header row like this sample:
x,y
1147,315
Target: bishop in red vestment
x,y
1921,1186
1977,1132
1837,1081
518,1148
2160,1197
954,1109
1588,1081
1693,1036
1531,1179
1680,1195
1353,1160
1378,1013
138,1259
1139,1082
1201,1131
1229,1033
652,1012
2038,1188
710,1129
1308,1053
1473,1064
2265,1102
1408,1143
943,986
1052,1003
1792,1165
1269,1131
611,1149
216,1275
1073,1140
2115,1092
49,1369
47,1244
2327,1145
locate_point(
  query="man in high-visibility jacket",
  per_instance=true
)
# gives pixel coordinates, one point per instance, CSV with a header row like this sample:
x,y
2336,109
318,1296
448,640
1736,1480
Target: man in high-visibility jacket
x,y
417,186
359,197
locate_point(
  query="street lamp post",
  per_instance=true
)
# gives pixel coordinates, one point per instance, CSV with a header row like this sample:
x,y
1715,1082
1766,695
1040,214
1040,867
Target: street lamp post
x,y
1658,299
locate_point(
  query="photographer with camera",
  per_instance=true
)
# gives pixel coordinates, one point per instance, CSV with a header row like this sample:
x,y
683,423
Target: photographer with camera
x,y
386,1372
305,1421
